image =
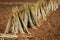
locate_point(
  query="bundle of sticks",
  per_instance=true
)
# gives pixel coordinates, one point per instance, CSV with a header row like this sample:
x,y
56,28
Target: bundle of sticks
x,y
8,37
29,15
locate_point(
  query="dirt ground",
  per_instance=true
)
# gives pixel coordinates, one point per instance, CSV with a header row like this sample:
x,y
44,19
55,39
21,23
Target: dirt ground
x,y
48,30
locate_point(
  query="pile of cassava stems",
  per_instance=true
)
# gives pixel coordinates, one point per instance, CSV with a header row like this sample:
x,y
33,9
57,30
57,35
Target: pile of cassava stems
x,y
29,15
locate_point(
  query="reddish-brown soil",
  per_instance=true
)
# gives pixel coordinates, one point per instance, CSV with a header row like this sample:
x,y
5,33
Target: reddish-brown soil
x,y
49,29
19,1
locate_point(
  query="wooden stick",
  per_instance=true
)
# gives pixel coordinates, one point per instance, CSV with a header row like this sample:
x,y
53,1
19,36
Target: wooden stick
x,y
7,36
8,25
